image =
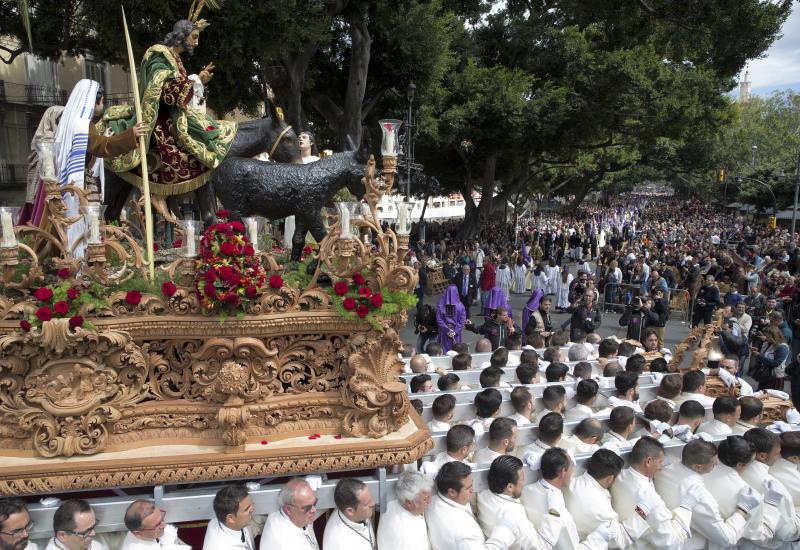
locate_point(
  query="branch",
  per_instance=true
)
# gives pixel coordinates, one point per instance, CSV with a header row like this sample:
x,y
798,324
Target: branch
x,y
327,108
12,54
371,102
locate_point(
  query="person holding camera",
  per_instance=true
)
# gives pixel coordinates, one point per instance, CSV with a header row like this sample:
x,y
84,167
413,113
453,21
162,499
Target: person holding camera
x,y
585,316
426,326
706,302
769,362
498,327
637,317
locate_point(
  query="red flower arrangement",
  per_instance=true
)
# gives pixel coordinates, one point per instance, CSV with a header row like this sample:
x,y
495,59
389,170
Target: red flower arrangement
x,y
168,289
357,299
133,297
231,275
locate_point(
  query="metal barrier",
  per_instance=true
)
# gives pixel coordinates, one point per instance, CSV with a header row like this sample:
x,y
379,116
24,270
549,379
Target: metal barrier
x,y
679,300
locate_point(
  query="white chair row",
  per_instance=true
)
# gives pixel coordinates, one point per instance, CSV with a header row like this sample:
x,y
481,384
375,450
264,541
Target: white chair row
x,y
472,376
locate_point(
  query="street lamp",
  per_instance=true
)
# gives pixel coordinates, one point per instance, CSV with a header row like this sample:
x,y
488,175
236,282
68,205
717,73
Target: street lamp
x,y
410,127
768,188
755,150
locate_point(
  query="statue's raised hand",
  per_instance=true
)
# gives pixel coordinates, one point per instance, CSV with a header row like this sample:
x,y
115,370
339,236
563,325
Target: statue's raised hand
x,y
207,73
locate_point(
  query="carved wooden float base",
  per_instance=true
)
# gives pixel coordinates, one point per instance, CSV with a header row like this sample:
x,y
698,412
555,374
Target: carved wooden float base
x,y
181,463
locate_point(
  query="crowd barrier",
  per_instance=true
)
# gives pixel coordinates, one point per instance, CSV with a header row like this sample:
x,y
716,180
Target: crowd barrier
x,y
679,299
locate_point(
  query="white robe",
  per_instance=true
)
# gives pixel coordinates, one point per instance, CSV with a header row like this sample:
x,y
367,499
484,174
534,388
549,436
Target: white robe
x,y
519,419
787,473
590,506
220,537
281,534
709,528
578,413
96,545
552,274
399,529
343,534
133,543
714,427
703,399
539,281
438,426
788,527
452,526
503,279
562,291
485,456
668,528
431,467
491,507
519,278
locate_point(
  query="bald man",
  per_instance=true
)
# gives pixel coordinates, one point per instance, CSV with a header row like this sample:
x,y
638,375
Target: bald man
x,y
146,529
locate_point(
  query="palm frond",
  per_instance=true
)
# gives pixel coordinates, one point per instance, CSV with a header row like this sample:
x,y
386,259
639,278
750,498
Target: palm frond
x,y
24,12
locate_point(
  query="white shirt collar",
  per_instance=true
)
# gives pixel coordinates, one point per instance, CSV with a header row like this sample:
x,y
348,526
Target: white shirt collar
x,y
464,507
360,526
230,532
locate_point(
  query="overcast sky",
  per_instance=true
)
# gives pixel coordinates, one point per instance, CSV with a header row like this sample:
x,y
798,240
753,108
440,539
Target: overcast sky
x,y
780,67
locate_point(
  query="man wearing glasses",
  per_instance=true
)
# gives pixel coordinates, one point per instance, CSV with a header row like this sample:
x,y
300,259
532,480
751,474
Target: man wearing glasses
x,y
146,529
292,526
229,529
73,527
15,525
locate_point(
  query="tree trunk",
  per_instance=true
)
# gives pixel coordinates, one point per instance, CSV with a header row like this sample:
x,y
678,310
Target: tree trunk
x,y
580,194
424,206
296,66
361,42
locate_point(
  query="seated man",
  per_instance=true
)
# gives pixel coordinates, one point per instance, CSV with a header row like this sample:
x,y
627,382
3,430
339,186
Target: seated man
x,y
459,442
582,370
785,467
551,428
587,436
73,527
292,526
621,422
462,361
233,512
585,394
442,411
527,373
522,401
491,377
403,524
627,384
502,441
422,383
556,372
500,503
553,354
554,399
669,389
577,352
751,412
451,524
15,525
147,528
635,364
694,387
709,529
690,415
659,415
668,528
726,413
449,382
349,527
589,502
487,407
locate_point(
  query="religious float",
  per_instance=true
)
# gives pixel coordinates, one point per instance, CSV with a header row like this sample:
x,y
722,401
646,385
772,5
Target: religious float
x,y
231,362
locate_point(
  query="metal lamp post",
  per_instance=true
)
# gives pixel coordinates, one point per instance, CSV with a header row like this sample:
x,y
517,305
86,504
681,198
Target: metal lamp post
x,y
796,188
768,188
410,128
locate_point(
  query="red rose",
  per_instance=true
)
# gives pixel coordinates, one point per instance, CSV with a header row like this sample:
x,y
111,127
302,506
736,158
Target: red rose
x,y
377,300
155,247
223,214
44,313
236,226
231,298
63,272
44,294
340,288
251,292
229,275
358,279
61,307
210,290
349,303
209,128
210,276
177,244
76,321
365,292
133,297
275,281
307,249
362,311
73,293
168,289
228,248
25,325
249,250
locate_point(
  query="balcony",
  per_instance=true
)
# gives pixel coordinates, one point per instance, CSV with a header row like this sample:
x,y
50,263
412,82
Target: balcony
x,y
45,95
13,174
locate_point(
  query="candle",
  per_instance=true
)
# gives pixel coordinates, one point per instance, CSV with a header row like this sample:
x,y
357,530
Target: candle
x,y
123,216
9,239
344,230
191,247
402,218
252,232
389,142
93,220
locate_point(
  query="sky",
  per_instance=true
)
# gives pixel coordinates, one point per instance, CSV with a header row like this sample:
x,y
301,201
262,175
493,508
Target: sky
x,y
779,69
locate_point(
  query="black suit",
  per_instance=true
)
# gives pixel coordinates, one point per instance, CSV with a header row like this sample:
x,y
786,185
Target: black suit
x,y
472,289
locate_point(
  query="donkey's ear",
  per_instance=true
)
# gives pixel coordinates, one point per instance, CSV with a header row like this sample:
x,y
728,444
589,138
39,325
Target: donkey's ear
x,y
272,111
362,155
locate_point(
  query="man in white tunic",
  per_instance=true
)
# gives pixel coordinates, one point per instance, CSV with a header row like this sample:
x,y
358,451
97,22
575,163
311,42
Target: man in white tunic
x,y
233,512
349,526
585,395
74,527
694,387
501,500
451,523
15,525
551,428
459,441
785,468
726,413
522,401
291,527
502,440
402,526
767,452
627,385
735,455
621,422
709,528
750,415
148,530
667,528
589,501
546,495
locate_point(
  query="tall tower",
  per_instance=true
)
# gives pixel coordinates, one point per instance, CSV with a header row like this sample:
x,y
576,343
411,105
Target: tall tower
x,y
744,88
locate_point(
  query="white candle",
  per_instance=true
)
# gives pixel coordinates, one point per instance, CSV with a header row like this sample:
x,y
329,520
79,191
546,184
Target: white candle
x,y
191,247
252,232
402,218
93,220
345,224
9,239
389,149
123,216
